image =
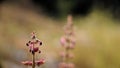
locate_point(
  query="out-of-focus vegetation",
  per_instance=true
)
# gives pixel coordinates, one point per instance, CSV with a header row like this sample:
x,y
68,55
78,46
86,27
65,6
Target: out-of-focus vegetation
x,y
60,8
77,7
97,35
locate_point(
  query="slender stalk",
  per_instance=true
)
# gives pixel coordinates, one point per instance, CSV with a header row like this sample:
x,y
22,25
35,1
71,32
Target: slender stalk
x,y
66,57
67,53
33,56
33,66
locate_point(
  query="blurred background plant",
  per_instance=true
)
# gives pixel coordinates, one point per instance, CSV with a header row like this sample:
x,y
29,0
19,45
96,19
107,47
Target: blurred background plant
x,y
68,43
97,32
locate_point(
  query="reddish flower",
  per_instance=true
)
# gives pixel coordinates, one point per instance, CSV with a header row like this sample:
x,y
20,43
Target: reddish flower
x,y
71,46
73,41
63,41
35,49
71,55
28,63
40,62
62,65
68,41
71,65
67,55
62,54
31,47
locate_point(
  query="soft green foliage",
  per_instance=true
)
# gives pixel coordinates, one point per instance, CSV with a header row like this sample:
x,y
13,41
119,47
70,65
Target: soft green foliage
x,y
65,6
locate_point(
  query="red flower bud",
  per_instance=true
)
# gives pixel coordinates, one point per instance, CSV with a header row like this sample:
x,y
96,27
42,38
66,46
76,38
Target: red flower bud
x,y
40,43
35,49
39,51
27,44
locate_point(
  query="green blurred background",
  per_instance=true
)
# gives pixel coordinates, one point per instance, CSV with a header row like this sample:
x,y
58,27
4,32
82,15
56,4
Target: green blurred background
x,y
97,31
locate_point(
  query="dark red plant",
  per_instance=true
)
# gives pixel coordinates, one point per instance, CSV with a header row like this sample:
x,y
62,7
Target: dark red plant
x,y
33,46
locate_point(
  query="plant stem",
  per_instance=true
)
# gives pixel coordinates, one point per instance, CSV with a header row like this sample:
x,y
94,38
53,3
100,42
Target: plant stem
x,y
33,66
67,52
